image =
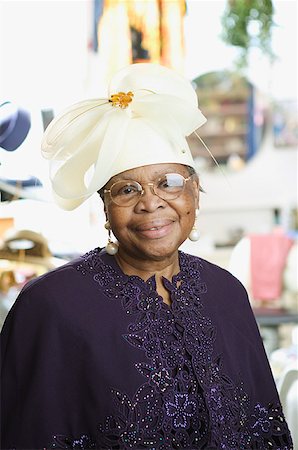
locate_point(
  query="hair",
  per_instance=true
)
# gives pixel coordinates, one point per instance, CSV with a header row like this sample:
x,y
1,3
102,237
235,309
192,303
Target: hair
x,y
101,193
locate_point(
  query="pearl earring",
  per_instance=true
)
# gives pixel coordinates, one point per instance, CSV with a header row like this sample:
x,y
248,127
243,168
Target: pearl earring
x,y
111,247
194,234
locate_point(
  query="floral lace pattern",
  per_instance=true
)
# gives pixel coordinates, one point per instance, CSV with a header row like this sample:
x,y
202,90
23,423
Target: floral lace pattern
x,y
186,401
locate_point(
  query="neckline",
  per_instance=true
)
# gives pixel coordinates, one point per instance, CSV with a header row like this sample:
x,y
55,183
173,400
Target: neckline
x,y
112,261
107,272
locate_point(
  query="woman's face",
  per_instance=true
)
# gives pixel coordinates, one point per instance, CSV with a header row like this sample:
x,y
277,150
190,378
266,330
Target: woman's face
x,y
153,228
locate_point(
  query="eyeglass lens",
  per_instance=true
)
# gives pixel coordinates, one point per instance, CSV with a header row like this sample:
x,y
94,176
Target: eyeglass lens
x,y
168,187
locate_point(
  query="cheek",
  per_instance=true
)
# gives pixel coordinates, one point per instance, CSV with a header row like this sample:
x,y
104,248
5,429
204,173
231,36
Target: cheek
x,y
188,205
113,215
187,215
189,211
119,219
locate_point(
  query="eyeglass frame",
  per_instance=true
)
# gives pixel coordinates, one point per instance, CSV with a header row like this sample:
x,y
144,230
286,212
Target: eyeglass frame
x,y
152,185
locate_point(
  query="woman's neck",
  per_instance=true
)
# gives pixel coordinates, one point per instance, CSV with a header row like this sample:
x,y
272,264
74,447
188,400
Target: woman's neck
x,y
167,267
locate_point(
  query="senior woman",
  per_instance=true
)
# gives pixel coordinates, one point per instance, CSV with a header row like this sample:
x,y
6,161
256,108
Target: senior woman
x,y
136,345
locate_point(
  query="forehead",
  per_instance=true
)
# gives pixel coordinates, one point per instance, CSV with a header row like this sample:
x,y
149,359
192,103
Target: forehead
x,y
150,172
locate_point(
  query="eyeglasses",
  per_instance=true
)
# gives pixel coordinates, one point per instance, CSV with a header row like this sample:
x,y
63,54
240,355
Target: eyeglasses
x,y
128,193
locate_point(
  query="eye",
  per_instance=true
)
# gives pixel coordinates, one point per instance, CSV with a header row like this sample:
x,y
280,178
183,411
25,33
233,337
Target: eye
x,y
125,189
170,182
163,183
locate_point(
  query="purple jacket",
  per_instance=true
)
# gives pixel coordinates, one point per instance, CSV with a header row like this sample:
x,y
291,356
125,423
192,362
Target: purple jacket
x,y
93,358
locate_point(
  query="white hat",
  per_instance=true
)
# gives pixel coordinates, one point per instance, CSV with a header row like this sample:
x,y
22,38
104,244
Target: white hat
x,y
149,111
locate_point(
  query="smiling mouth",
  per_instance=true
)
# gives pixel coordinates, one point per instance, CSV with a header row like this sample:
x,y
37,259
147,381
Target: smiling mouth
x,y
155,231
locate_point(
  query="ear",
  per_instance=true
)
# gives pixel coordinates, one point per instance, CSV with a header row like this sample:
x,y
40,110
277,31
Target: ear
x,y
106,213
105,209
103,201
196,190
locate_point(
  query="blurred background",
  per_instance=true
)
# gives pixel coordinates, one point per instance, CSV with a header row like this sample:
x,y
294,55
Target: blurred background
x,y
241,56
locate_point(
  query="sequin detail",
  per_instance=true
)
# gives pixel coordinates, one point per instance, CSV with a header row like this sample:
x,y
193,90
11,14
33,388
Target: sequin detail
x,y
186,400
82,443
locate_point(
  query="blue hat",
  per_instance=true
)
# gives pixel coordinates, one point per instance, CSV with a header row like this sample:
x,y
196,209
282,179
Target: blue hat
x,y
14,126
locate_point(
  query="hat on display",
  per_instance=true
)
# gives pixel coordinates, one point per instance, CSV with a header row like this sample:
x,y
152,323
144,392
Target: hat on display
x,y
14,126
149,111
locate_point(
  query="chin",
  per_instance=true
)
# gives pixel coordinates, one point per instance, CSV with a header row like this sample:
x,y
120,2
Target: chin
x,y
160,250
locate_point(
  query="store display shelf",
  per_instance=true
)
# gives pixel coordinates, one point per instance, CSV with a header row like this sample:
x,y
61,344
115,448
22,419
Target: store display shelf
x,y
274,317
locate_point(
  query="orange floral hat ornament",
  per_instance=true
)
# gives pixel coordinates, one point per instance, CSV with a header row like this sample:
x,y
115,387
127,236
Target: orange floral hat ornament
x,y
149,112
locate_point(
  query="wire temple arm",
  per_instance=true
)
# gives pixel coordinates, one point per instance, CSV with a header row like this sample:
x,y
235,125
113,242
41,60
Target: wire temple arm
x,y
213,158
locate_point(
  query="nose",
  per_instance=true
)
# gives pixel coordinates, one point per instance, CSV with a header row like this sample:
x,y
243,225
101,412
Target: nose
x,y
149,201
